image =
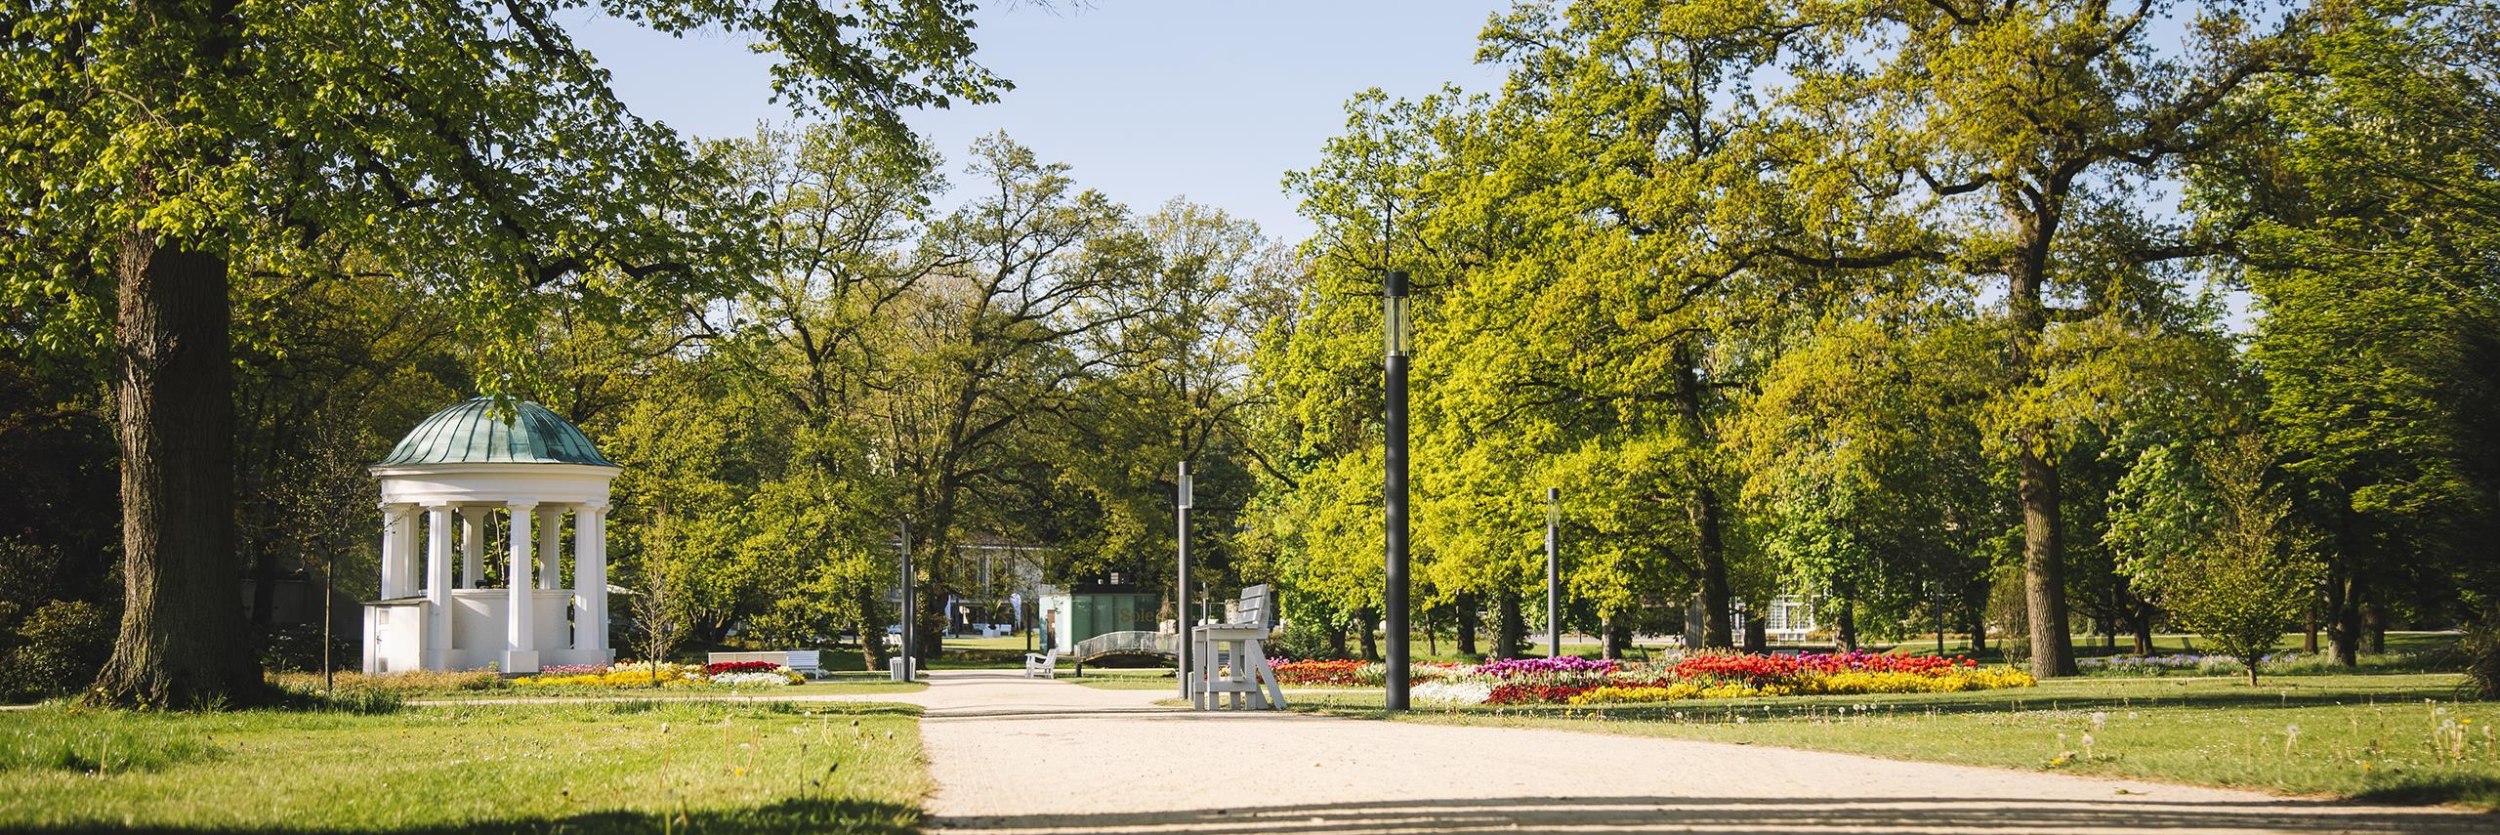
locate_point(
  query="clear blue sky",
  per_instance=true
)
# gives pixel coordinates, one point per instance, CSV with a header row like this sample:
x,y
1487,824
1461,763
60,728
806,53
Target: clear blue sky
x,y
1147,99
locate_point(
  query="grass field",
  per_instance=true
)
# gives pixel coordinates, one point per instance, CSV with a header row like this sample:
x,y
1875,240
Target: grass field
x,y
484,685
2389,737
625,766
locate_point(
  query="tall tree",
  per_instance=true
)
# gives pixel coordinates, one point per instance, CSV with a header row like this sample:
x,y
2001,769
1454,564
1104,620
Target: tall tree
x,y
2026,135
1035,268
166,142
2370,206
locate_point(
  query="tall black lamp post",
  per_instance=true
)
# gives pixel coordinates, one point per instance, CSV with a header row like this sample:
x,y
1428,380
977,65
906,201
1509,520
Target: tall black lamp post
x,y
911,606
1553,572
1393,294
1180,599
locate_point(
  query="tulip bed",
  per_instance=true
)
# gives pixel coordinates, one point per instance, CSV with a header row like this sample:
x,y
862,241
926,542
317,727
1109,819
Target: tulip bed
x,y
1581,681
643,674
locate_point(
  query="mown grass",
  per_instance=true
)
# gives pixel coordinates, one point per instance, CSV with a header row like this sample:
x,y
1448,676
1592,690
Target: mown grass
x,y
623,766
2396,738
432,686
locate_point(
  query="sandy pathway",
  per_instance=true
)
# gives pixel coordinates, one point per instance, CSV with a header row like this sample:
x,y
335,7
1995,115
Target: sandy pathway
x,y
1012,754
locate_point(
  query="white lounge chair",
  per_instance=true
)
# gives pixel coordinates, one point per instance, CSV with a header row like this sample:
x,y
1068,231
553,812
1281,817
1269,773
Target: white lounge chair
x,y
1043,665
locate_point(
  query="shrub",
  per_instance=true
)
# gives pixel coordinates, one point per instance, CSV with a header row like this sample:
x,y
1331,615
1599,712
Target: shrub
x,y
293,647
60,647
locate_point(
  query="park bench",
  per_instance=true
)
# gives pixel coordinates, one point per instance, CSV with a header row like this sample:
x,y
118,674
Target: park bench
x,y
1231,664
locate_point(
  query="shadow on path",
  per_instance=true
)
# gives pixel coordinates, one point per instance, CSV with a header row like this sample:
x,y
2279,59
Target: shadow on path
x,y
1749,815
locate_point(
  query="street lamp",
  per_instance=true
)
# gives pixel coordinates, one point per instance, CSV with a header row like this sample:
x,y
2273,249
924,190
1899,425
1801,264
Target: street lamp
x,y
911,606
1553,572
1395,332
1180,596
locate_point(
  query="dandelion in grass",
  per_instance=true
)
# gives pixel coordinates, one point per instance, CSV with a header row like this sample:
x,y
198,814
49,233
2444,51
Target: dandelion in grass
x,y
2291,737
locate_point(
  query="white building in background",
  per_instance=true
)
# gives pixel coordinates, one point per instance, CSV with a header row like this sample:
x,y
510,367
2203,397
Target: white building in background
x,y
1787,619
460,473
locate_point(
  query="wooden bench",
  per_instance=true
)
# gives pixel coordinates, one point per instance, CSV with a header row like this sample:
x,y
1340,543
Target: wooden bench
x,y
1231,664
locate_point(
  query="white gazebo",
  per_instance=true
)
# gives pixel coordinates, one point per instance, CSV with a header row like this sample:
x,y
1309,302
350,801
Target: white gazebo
x,y
461,468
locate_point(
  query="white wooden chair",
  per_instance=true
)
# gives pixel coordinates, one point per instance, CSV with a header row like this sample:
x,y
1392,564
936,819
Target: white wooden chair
x,y
1042,665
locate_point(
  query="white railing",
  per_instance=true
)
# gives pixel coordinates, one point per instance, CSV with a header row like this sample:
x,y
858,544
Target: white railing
x,y
1127,643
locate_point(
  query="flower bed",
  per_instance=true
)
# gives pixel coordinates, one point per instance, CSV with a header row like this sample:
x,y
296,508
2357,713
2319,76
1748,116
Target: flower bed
x,y
645,674
1580,681
2155,665
1319,673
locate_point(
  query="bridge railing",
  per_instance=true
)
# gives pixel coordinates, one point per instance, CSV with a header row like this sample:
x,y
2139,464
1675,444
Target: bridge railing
x,y
1128,643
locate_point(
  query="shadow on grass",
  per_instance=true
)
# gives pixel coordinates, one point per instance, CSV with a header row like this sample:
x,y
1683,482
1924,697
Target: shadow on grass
x,y
2435,788
790,815
1748,814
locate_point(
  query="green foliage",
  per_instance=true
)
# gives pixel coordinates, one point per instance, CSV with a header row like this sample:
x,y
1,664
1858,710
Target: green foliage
x,y
2225,555
2369,211
58,648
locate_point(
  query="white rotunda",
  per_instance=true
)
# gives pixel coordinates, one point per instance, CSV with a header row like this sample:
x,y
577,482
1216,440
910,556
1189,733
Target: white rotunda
x,y
458,471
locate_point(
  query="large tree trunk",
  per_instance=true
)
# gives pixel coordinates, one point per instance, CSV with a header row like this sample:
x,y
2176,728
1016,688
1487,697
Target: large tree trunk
x,y
1467,614
1717,601
1510,626
1710,549
183,642
866,601
929,567
2343,626
1757,633
1365,620
2036,488
2374,622
1845,631
2044,565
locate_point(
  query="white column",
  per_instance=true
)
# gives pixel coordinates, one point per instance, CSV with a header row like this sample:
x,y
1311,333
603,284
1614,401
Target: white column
x,y
472,545
550,546
403,565
590,578
437,648
411,550
521,621
391,576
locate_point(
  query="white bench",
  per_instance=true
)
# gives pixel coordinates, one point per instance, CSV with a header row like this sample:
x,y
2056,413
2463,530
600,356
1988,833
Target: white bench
x,y
1042,665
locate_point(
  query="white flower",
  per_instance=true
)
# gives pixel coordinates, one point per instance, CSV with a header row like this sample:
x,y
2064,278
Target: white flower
x,y
1447,692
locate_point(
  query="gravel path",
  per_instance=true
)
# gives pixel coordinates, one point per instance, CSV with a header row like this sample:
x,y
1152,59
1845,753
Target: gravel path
x,y
1012,754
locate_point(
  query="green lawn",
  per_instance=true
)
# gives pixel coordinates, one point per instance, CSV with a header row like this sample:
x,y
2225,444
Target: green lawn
x,y
2375,737
630,766
442,686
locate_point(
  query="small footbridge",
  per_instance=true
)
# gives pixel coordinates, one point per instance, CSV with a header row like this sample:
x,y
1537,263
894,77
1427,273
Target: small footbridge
x,y
1154,646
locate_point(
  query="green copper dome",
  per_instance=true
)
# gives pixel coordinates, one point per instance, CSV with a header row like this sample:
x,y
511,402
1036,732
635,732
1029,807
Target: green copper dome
x,y
470,433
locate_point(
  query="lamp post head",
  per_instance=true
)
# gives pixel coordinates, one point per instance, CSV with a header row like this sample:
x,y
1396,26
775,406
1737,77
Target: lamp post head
x,y
1186,489
1396,329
